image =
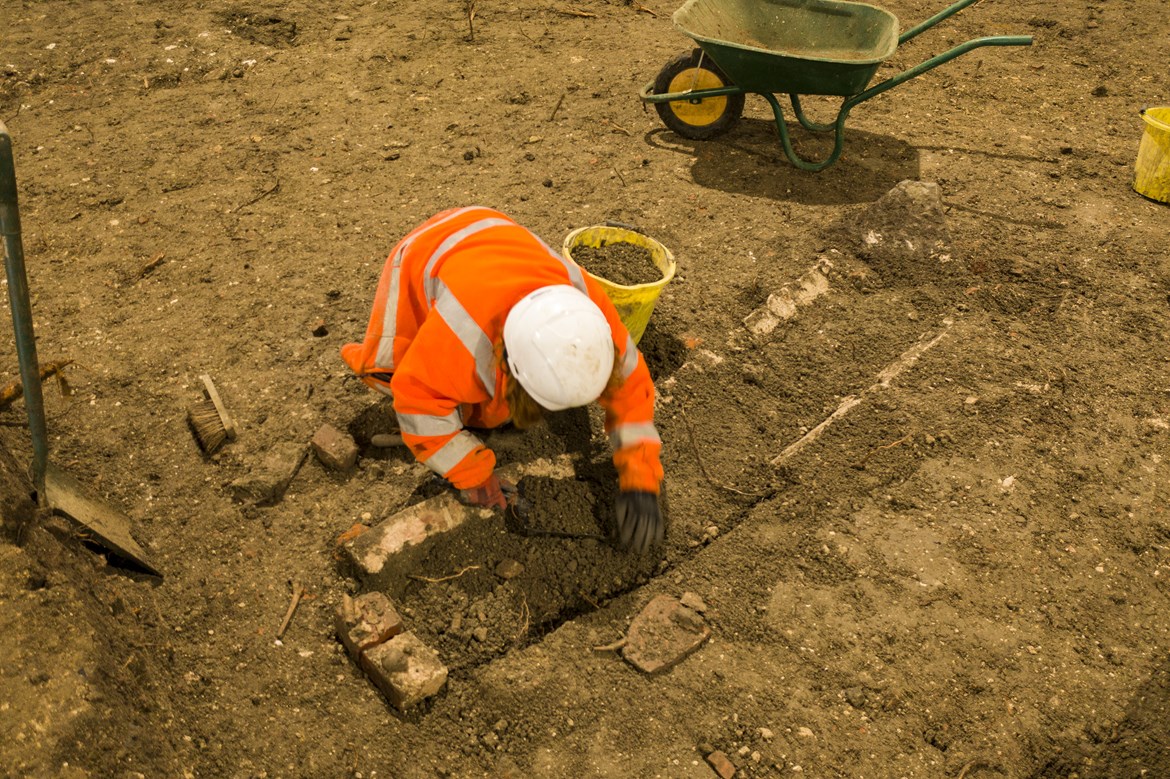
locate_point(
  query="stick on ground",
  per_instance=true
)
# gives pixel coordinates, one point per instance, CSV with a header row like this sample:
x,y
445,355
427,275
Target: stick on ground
x,y
297,593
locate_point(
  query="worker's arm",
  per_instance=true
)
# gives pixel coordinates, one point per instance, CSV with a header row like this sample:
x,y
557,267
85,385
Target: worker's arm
x,y
435,377
629,421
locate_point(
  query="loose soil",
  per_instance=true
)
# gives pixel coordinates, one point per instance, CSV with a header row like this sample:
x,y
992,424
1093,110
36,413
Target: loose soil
x,y
961,569
620,262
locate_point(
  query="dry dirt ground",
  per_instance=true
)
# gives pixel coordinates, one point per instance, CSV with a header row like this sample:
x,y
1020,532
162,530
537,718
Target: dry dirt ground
x,y
965,574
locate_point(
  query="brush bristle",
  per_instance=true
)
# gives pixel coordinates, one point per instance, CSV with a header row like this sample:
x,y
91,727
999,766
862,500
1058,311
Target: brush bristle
x,y
207,426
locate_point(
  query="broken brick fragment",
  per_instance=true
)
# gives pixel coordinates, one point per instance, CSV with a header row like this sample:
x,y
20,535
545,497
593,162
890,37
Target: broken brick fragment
x,y
663,634
722,764
366,621
336,450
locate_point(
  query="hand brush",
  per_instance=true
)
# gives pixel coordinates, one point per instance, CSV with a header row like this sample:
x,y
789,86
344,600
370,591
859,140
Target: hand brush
x,y
209,420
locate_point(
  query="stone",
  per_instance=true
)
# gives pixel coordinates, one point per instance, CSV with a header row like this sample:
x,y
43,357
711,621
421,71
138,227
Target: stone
x,y
509,569
267,481
406,670
904,234
663,634
721,763
366,621
693,602
336,450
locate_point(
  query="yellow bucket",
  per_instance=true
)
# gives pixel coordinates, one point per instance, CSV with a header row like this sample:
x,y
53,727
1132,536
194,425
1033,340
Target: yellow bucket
x,y
635,303
1152,170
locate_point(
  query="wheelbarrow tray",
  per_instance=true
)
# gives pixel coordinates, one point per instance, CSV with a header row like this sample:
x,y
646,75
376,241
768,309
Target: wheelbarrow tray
x,y
807,47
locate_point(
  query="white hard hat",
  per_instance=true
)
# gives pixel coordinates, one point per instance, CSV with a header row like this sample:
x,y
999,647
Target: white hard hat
x,y
560,347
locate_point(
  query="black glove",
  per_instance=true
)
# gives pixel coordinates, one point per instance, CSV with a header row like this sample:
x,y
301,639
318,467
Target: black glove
x,y
639,521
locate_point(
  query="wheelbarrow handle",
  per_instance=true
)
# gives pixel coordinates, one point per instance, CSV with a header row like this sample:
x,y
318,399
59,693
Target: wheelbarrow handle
x,y
946,13
934,62
18,298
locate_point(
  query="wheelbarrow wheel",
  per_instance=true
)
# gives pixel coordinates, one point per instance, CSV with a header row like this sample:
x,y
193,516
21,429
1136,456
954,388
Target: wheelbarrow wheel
x,y
698,120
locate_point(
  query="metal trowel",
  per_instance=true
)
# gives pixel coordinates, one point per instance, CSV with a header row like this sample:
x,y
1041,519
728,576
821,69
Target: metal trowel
x,y
55,488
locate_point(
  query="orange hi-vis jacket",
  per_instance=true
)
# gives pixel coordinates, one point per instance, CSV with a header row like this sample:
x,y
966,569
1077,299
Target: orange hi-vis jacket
x,y
435,341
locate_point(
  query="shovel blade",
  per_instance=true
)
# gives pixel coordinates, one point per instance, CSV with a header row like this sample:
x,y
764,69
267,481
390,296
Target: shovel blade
x,y
109,527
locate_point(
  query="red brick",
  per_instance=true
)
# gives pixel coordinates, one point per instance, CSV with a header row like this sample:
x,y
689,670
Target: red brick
x,y
336,450
366,621
663,634
722,764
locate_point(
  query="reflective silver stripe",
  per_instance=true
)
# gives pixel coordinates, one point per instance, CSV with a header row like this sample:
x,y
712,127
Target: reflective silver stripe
x,y
470,334
383,388
630,357
385,355
576,277
429,284
425,424
452,453
635,433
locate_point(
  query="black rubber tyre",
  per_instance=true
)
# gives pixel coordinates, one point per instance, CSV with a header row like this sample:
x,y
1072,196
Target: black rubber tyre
x,y
703,119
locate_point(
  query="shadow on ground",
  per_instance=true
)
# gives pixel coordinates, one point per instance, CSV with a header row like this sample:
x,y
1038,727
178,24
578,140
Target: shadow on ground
x,y
1139,745
750,161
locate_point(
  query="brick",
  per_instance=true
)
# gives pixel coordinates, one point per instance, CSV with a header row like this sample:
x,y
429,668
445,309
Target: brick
x,y
663,634
722,764
366,621
336,450
266,482
383,556
405,669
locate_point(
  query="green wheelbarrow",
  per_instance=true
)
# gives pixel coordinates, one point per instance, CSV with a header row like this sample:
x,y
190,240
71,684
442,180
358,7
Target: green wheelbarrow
x,y
798,47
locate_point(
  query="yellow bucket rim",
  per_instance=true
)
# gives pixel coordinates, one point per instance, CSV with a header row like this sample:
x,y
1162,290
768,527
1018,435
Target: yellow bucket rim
x,y
622,234
1158,118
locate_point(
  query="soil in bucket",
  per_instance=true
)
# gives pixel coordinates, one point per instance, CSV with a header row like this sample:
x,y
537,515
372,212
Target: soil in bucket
x,y
619,262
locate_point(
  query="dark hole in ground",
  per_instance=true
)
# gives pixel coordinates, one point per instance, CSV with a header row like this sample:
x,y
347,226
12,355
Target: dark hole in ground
x,y
558,560
490,605
260,27
664,352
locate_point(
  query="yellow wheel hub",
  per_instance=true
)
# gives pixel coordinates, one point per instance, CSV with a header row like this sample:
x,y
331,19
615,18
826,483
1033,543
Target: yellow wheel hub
x,y
706,111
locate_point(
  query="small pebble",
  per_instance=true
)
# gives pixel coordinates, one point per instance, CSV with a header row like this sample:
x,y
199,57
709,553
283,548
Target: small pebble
x,y
765,734
692,601
509,569
481,633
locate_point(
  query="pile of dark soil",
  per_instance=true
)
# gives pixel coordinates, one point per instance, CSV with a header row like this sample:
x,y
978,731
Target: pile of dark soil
x,y
622,263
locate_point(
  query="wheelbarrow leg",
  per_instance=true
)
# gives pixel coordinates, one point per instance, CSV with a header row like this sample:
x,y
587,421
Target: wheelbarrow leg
x,y
805,122
838,142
